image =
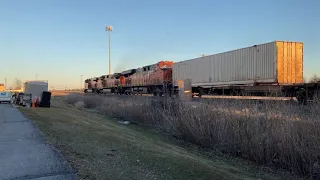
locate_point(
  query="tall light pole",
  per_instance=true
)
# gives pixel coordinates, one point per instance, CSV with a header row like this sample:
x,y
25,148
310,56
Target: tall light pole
x,y
36,76
5,83
109,29
81,82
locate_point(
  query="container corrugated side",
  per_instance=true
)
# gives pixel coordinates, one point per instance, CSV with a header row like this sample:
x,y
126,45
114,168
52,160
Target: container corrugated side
x,y
290,62
242,66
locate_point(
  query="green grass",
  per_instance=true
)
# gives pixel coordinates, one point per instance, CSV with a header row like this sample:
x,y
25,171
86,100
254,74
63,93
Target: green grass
x,y
100,148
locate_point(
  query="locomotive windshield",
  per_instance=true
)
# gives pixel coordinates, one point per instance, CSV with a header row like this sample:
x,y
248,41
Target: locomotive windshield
x,y
164,67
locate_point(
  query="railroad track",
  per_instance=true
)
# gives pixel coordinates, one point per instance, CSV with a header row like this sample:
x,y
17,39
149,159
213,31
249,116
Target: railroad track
x,y
216,99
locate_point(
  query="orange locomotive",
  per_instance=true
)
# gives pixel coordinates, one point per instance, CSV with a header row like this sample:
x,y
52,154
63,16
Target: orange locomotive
x,y
155,79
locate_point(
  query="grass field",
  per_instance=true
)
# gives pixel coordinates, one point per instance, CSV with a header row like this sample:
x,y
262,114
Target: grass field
x,y
100,148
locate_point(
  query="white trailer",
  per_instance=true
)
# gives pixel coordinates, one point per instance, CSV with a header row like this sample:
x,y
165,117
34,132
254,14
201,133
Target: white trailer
x,y
35,88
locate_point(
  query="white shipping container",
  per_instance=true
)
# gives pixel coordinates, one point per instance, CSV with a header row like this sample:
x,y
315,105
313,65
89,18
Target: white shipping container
x,y
275,62
35,88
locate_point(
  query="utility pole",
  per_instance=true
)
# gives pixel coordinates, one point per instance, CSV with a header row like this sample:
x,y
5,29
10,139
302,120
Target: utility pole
x,y
109,29
36,77
5,83
81,82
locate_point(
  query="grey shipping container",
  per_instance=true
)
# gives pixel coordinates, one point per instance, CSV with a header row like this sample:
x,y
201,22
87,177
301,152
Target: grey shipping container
x,y
277,62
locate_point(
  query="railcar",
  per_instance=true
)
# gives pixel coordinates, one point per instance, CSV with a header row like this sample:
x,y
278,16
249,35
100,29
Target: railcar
x,y
269,69
274,69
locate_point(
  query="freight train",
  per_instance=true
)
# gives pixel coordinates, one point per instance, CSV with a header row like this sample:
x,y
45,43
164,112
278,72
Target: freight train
x,y
274,68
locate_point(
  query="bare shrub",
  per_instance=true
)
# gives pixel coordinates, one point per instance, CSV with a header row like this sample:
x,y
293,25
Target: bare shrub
x,y
73,98
277,134
92,102
79,105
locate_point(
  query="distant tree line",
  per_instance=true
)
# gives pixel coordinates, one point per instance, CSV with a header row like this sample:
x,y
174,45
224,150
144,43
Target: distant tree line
x,y
314,79
17,85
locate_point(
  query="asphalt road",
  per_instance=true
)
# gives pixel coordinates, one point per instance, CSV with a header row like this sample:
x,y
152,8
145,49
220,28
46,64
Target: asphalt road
x,y
24,153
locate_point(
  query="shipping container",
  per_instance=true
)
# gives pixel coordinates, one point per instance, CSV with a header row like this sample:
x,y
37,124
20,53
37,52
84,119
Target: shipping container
x,y
277,62
35,88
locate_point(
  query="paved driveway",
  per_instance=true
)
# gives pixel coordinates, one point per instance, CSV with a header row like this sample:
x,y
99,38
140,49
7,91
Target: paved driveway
x,y
23,152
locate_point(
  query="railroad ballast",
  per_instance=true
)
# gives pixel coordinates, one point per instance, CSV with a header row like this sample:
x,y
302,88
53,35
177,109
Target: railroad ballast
x,y
259,69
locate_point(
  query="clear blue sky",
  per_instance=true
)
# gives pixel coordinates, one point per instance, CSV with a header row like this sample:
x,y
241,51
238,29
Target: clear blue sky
x,y
61,39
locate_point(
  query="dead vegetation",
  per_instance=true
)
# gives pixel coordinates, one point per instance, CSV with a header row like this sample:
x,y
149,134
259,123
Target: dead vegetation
x,y
275,134
100,148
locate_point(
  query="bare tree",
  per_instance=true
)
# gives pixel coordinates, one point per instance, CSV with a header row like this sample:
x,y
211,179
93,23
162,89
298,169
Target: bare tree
x,y
314,79
17,84
304,79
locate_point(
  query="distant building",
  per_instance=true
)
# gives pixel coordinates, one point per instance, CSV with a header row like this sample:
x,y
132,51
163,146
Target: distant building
x,y
2,87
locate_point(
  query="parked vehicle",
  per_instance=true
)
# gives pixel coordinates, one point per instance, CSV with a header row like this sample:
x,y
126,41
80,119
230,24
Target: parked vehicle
x,y
5,96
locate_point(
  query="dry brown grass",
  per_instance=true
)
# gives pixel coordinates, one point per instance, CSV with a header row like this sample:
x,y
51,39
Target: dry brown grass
x,y
62,92
100,148
275,134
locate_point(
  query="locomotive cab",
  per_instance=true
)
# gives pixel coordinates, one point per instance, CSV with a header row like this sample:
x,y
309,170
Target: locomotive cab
x,y
87,85
125,77
103,80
